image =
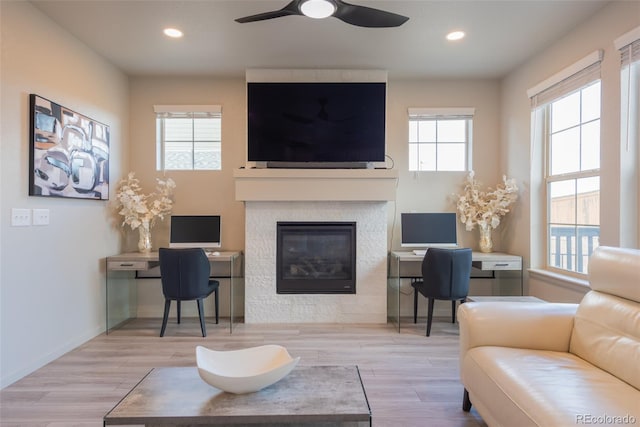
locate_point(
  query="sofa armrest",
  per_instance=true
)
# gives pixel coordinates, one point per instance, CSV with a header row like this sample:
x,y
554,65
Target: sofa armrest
x,y
537,326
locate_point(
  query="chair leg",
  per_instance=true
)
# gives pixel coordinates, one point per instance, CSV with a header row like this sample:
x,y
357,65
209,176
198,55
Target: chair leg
x,y
453,311
430,315
415,306
178,302
217,305
167,305
201,315
466,402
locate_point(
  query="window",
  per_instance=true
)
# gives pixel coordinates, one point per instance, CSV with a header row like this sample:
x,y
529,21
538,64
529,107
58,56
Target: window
x,y
571,135
573,178
440,139
629,46
188,137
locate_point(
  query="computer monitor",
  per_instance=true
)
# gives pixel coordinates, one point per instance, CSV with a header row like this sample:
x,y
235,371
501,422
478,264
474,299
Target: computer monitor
x,y
195,231
425,230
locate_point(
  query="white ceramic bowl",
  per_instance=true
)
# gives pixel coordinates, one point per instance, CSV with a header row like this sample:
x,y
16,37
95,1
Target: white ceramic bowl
x,y
244,371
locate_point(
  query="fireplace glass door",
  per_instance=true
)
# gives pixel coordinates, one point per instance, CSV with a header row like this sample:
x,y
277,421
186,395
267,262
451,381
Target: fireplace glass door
x,y
316,258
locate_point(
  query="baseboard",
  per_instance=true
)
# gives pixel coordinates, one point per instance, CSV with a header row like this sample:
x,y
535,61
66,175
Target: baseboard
x,y
9,378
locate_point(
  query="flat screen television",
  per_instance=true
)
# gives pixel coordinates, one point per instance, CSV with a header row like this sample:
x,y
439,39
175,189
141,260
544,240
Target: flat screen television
x,y
425,230
316,122
195,231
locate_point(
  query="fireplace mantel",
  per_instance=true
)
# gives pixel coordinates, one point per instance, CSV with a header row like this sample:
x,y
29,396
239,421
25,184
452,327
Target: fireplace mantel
x,y
315,184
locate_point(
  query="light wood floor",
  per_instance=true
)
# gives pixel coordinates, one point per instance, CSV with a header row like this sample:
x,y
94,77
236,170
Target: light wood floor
x,y
409,379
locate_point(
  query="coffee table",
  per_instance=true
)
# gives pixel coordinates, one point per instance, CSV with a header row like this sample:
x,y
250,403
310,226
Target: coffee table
x,y
308,396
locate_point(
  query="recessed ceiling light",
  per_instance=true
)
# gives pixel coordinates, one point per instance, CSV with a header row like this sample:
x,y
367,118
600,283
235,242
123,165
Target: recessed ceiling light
x,y
455,35
172,32
318,8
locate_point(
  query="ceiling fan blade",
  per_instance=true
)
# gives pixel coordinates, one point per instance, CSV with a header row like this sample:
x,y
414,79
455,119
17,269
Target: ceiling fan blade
x,y
363,16
290,9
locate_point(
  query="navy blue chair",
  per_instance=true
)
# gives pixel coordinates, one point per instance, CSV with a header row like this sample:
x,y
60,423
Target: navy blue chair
x,y
185,277
445,276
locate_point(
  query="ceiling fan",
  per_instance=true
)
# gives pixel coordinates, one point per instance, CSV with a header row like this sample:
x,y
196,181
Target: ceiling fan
x,y
360,16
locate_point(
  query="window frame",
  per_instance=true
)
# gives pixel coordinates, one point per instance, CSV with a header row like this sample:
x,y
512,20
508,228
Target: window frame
x,y
548,179
192,112
436,115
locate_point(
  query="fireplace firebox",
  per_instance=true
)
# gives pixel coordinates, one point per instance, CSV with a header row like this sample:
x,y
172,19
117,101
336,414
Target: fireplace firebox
x,y
316,258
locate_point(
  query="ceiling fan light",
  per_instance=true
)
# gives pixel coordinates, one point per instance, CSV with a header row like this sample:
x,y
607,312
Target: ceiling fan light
x,y
317,9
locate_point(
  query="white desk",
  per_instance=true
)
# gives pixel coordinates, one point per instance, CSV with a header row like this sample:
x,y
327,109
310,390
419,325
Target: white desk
x,y
123,270
407,265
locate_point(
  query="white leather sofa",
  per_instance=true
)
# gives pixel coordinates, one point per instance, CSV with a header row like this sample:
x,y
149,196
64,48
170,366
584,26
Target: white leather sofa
x,y
551,364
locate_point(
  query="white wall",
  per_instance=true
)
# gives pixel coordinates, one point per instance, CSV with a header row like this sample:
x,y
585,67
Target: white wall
x,y
197,192
599,32
433,191
212,191
52,277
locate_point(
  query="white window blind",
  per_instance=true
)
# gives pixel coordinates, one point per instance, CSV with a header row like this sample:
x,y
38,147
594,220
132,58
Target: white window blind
x,y
568,80
630,53
441,113
188,137
629,46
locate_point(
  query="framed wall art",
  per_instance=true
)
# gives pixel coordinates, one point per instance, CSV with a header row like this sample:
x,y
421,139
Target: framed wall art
x,y
69,153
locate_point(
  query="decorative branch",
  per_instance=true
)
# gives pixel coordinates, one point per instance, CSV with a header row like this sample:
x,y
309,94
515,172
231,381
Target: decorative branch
x,y
485,208
137,208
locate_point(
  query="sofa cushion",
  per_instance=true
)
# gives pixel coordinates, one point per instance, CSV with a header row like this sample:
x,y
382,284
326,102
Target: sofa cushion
x,y
606,333
520,387
615,271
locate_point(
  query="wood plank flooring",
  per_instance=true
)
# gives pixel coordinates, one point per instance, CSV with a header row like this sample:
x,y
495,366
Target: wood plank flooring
x,y
410,380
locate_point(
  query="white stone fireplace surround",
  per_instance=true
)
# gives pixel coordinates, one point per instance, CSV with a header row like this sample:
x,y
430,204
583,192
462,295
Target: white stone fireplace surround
x,y
315,195
263,305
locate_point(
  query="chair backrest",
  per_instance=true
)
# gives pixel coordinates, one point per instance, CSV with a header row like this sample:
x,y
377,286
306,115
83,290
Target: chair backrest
x,y
184,273
606,330
446,272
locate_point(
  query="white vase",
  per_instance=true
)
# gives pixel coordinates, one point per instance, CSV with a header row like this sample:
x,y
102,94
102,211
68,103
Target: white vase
x,y
486,244
144,242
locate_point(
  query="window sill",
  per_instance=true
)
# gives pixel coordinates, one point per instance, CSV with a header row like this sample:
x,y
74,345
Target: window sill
x,y
561,280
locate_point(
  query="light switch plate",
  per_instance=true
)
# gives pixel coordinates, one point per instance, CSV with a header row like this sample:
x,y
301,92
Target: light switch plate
x,y
20,217
41,217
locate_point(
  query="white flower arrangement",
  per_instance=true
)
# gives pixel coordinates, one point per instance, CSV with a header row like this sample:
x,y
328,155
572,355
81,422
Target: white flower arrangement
x,y
140,209
485,208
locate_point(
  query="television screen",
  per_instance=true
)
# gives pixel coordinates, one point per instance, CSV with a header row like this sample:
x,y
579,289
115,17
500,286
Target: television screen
x,y
425,230
195,231
316,122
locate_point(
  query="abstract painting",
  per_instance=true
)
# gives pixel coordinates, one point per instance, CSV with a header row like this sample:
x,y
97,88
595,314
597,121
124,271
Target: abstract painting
x,y
69,153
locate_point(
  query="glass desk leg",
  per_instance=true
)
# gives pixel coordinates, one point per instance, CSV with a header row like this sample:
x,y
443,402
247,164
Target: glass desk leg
x,y
236,291
121,298
507,282
393,290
